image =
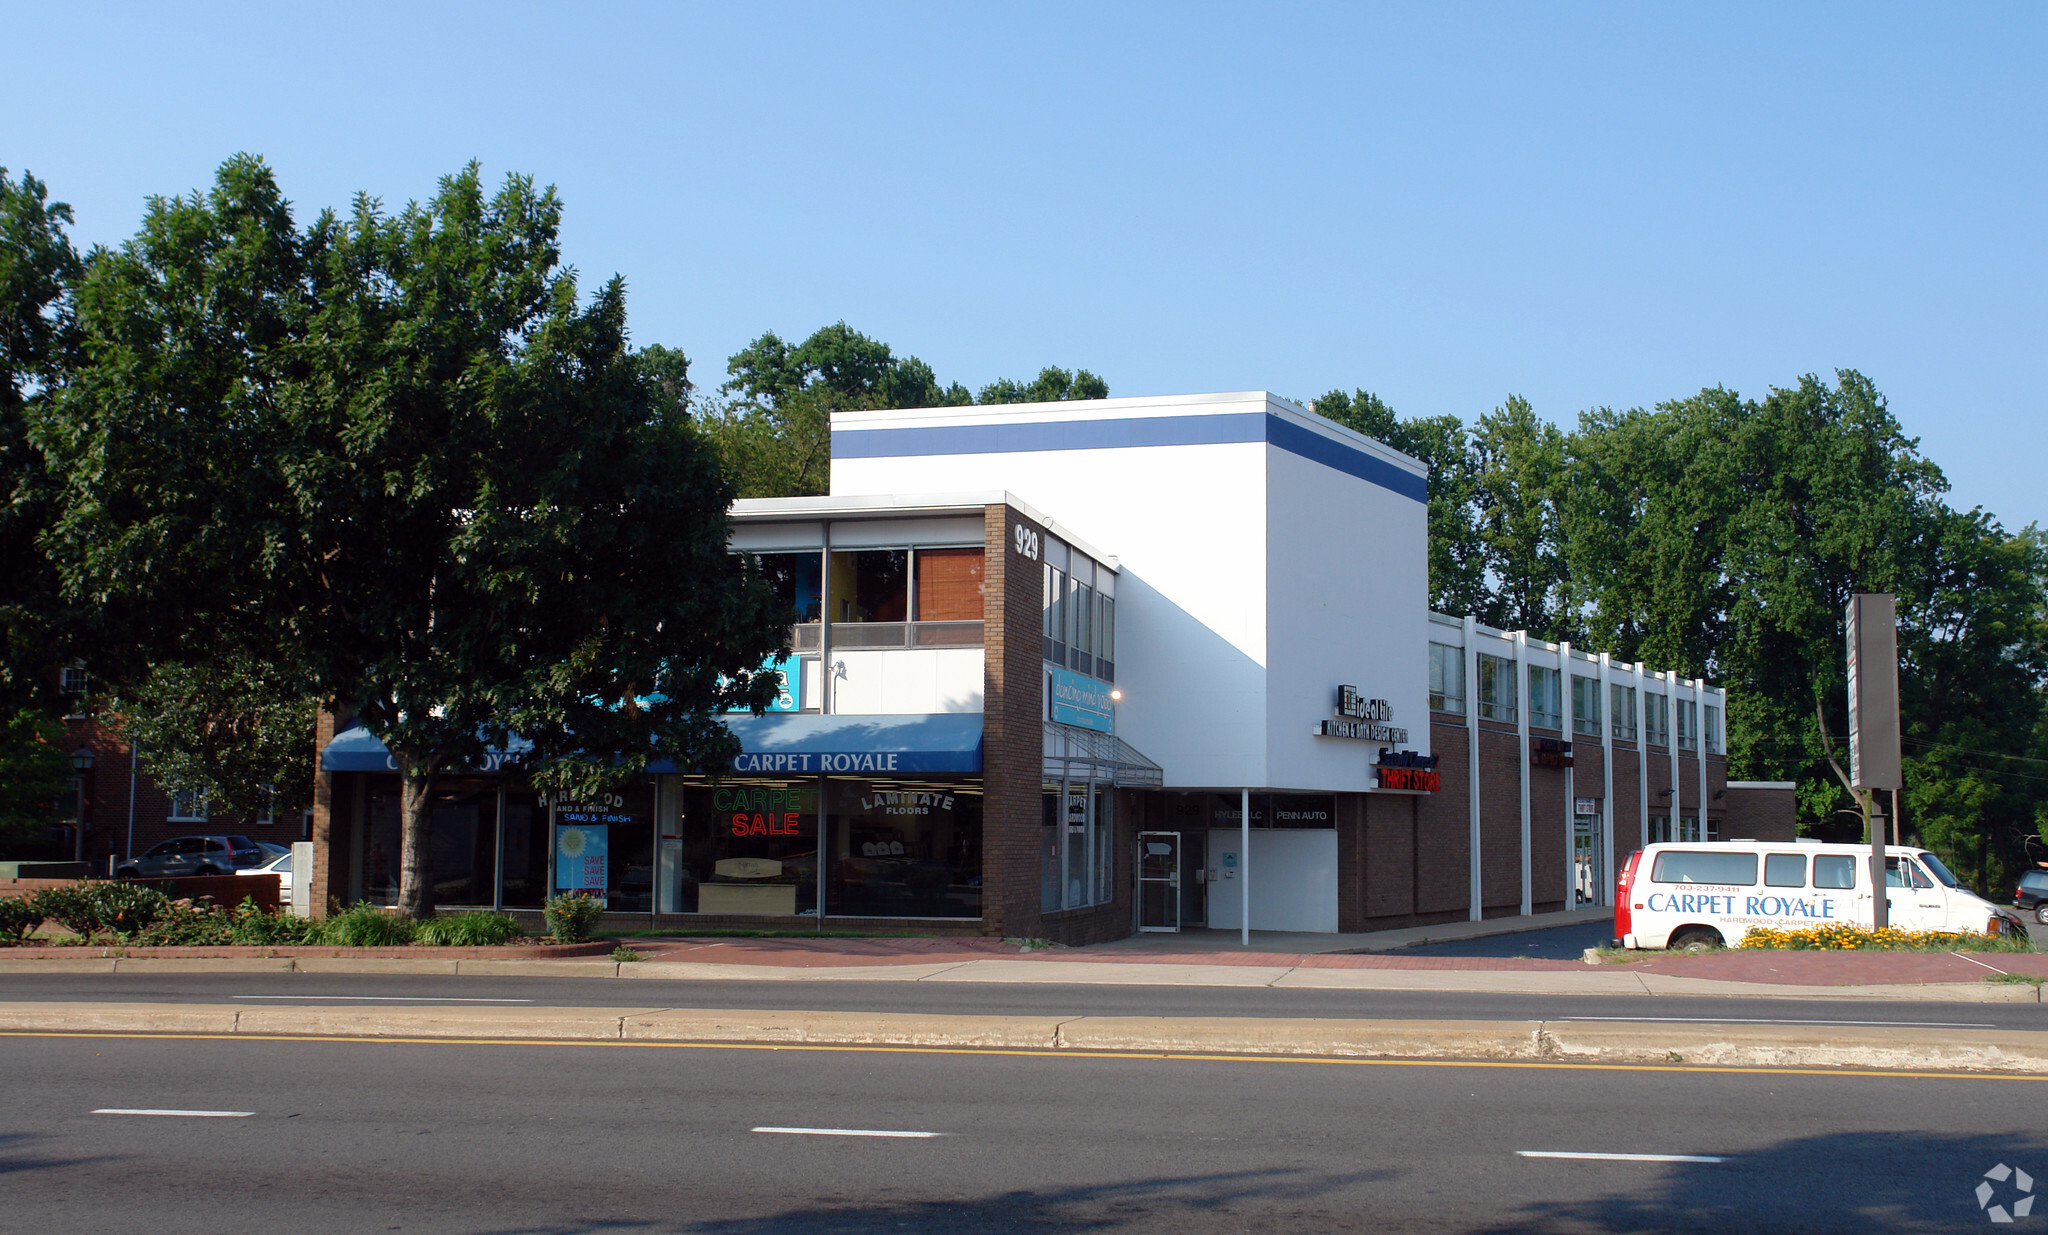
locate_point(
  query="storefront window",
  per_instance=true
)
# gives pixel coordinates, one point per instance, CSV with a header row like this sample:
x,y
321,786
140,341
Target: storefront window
x,y
607,844
461,838
526,850
904,849
747,848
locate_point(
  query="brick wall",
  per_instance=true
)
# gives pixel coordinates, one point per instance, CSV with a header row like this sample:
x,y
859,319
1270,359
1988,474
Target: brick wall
x,y
1500,821
1759,814
1442,835
1626,812
1550,821
1013,736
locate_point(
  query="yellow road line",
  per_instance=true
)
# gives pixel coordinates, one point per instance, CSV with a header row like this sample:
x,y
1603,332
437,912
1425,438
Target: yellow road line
x,y
1532,1064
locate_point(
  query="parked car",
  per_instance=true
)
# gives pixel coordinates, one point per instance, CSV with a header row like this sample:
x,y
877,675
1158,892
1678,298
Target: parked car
x,y
281,866
2032,895
271,849
193,855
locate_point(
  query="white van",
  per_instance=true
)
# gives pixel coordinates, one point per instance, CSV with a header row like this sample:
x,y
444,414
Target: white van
x,y
1694,894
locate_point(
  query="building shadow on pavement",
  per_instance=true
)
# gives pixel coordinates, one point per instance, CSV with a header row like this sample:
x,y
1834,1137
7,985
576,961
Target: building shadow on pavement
x,y
1845,1182
1294,1199
16,1158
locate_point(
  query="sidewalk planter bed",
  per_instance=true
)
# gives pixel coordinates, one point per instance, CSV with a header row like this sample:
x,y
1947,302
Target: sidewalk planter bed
x,y
1860,939
143,916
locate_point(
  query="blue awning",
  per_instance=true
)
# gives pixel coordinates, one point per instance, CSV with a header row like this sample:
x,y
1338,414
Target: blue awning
x,y
780,743
356,749
799,743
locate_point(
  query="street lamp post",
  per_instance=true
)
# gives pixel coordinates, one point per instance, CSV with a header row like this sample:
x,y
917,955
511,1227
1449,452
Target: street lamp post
x,y
81,767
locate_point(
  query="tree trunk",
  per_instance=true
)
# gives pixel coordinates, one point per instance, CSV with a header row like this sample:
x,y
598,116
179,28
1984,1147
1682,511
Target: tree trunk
x,y
415,849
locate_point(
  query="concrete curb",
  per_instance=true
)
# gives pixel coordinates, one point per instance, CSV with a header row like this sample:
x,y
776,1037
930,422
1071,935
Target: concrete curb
x,y
1608,1042
1089,973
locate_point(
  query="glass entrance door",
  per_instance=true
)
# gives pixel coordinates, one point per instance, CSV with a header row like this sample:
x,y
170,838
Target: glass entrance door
x,y
1158,881
1586,877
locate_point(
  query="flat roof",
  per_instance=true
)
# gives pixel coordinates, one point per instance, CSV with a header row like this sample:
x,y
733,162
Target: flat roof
x,y
901,506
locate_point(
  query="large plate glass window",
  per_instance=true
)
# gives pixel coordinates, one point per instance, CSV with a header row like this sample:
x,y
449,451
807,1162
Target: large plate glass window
x,y
743,848
904,849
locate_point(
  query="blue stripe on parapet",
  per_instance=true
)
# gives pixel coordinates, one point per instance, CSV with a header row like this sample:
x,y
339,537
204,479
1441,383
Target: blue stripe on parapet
x,y
1230,428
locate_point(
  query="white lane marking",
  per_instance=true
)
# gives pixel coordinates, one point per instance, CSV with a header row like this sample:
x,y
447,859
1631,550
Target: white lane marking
x,y
143,1110
1554,1153
391,998
1761,1020
849,1132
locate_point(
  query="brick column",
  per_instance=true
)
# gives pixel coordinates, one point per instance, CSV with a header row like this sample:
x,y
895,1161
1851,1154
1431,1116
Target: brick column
x,y
1013,736
329,877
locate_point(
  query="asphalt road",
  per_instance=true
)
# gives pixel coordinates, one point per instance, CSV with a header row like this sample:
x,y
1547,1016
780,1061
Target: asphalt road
x,y
359,1136
1020,999
1559,943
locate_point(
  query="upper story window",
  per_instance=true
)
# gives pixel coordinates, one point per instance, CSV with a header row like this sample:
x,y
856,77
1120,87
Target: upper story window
x,y
1656,719
1712,729
1586,706
188,806
1496,687
1688,728
1446,678
1624,712
1080,617
1546,698
885,597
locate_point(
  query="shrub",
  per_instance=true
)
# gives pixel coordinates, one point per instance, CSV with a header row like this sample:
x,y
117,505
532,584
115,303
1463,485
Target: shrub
x,y
363,925
249,924
623,953
468,929
184,923
19,918
127,909
71,906
1845,937
572,916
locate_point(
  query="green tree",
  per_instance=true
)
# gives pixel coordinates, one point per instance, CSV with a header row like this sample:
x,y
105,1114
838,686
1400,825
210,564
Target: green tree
x,y
1052,385
396,459
238,732
1517,496
38,346
35,775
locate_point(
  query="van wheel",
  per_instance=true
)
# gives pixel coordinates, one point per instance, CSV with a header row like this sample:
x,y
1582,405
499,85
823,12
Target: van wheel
x,y
2041,913
1694,939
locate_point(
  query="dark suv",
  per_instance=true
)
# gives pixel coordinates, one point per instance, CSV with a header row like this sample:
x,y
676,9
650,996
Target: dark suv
x,y
2032,895
194,855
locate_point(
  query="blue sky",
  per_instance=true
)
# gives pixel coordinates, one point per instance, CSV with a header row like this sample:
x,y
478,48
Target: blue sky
x,y
1586,205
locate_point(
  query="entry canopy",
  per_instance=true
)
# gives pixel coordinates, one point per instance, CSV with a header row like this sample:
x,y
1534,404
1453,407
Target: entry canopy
x,y
779,744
